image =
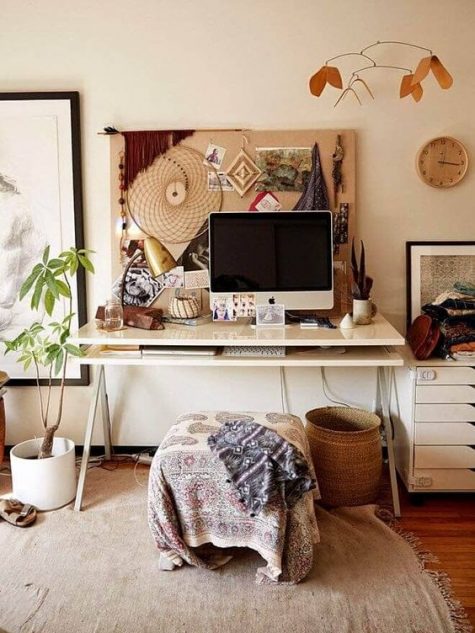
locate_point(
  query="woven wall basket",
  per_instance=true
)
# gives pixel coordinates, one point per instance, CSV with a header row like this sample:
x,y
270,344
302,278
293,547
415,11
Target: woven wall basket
x,y
346,450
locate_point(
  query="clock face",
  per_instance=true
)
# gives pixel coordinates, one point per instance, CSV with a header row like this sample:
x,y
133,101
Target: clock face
x,y
442,162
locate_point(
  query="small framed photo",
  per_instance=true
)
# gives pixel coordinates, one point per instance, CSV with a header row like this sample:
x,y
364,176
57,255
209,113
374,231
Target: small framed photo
x,y
222,307
433,268
270,314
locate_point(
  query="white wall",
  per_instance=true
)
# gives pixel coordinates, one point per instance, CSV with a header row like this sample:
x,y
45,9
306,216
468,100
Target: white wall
x,y
214,63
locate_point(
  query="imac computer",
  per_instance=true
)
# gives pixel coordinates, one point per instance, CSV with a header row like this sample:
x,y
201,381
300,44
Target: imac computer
x,y
283,257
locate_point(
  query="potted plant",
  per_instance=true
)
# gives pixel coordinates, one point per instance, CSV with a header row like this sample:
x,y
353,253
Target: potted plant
x,y
363,308
43,470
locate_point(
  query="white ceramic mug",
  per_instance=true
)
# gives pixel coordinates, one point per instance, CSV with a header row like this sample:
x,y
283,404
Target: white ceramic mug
x,y
363,311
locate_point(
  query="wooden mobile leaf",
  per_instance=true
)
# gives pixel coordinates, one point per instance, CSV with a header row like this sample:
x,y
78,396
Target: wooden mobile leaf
x,y
334,77
406,86
441,73
318,81
417,93
326,74
422,70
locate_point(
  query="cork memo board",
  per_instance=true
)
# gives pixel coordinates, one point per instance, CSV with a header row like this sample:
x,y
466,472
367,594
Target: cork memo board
x,y
233,140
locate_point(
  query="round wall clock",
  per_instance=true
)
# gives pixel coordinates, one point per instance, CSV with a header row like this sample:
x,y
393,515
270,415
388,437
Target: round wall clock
x,y
442,162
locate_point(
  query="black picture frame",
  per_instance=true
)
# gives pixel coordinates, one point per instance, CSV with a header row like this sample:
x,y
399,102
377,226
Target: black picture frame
x,y
414,252
72,100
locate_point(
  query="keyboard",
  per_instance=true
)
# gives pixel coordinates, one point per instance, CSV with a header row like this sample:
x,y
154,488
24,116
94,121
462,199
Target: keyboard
x,y
178,350
267,351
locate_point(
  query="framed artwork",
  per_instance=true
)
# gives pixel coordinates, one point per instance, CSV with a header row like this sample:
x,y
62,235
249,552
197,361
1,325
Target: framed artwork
x,y
40,204
434,267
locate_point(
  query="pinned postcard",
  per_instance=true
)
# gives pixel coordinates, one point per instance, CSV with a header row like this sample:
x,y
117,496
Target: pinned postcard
x,y
214,155
245,304
268,203
175,278
218,181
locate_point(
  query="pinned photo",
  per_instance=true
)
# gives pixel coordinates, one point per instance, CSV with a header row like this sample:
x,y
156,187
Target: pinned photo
x,y
270,314
175,278
140,289
214,155
222,308
218,181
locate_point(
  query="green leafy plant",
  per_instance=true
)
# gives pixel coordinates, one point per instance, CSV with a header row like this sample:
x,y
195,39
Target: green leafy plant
x,y
362,284
46,344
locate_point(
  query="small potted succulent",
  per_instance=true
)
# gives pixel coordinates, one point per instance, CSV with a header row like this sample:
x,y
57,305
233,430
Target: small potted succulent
x,y
43,469
363,307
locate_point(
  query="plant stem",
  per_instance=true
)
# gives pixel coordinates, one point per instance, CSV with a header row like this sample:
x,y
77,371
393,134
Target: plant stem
x,y
43,419
49,391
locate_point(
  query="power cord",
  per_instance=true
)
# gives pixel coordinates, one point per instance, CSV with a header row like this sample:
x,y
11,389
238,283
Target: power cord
x,y
326,390
283,391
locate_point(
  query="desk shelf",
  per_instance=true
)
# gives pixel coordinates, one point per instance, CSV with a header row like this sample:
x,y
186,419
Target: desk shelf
x,y
296,357
377,333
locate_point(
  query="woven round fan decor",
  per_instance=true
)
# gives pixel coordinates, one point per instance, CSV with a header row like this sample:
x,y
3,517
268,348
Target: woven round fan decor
x,y
170,199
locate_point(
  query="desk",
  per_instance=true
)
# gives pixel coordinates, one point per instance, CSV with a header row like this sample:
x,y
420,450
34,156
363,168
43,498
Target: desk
x,y
366,346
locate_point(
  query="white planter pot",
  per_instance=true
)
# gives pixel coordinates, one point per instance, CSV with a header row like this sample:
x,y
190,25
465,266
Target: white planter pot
x,y
45,483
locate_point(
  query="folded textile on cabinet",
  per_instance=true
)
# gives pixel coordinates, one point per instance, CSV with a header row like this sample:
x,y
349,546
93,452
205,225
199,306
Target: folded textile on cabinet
x,y
261,464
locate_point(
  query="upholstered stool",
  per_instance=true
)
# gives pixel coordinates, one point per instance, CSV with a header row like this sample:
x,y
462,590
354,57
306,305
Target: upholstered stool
x,y
192,502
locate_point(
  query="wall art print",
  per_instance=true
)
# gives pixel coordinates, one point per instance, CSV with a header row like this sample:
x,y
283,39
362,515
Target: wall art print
x,y
40,204
434,267
283,168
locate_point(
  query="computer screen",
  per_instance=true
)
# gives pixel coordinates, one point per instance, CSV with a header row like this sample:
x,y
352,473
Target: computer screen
x,y
282,252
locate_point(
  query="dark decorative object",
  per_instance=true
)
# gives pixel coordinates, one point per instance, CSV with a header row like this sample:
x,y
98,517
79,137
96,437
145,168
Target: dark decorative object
x,y
315,196
362,284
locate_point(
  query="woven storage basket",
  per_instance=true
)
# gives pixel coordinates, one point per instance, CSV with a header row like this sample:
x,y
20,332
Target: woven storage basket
x,y
346,450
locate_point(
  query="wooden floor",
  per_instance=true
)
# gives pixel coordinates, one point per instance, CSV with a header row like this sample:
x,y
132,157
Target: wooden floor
x,y
446,526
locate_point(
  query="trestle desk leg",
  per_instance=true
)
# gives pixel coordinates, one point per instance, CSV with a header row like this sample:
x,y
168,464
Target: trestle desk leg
x,y
383,393
106,421
98,385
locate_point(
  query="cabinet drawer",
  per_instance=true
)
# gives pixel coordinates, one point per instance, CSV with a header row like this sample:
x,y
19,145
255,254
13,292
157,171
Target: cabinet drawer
x,y
445,433
444,413
445,393
444,479
444,457
445,376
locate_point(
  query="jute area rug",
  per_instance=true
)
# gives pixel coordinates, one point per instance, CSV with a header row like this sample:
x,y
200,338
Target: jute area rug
x,y
97,572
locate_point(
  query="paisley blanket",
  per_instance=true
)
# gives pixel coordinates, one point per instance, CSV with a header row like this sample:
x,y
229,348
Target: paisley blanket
x,y
195,512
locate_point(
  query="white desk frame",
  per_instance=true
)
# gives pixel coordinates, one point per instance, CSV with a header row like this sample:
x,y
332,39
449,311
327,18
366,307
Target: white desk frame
x,y
366,346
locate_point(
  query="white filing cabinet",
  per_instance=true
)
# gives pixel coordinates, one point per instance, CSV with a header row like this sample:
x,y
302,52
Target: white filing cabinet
x,y
433,412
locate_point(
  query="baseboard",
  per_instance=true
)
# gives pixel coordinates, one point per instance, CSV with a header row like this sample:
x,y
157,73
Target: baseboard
x,y
99,450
